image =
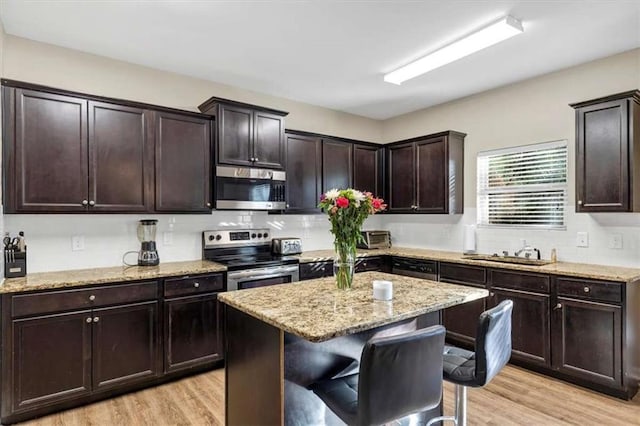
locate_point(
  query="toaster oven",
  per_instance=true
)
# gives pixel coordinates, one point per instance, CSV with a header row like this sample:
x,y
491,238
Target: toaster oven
x,y
375,240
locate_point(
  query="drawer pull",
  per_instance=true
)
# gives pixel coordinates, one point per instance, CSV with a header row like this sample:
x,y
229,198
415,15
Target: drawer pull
x,y
88,320
492,294
196,285
558,306
96,319
587,289
92,298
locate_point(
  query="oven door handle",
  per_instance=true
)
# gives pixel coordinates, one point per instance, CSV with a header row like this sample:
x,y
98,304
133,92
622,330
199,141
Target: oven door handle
x,y
269,273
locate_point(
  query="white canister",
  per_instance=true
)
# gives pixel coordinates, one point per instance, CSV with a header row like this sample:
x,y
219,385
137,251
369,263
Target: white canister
x,y
382,290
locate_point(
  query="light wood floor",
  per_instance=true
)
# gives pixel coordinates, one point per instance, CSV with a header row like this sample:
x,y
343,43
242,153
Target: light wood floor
x,y
514,397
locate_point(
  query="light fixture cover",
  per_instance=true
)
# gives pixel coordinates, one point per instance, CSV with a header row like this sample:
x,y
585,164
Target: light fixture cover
x,y
498,31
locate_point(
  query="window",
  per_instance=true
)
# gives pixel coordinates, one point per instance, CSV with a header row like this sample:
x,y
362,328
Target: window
x,y
524,186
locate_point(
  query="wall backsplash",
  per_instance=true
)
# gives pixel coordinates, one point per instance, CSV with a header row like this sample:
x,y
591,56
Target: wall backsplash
x,y
446,233
107,237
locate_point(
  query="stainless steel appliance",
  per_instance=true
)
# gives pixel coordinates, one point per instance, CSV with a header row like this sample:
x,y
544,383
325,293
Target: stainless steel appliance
x,y
375,239
242,188
286,246
417,268
247,255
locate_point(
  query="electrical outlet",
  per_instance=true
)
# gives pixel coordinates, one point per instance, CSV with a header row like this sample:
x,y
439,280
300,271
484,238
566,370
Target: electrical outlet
x,y
582,239
167,238
77,243
615,241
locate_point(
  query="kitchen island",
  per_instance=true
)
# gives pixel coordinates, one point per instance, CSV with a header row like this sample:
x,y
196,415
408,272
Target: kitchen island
x,y
282,338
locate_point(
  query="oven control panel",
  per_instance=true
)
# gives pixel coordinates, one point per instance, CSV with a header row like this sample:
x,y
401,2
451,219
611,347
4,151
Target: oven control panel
x,y
236,237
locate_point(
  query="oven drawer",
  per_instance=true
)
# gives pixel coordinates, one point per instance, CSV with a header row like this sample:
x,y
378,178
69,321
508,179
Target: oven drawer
x,y
185,286
85,298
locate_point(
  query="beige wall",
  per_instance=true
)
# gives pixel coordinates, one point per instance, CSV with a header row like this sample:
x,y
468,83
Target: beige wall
x,y
531,111
59,67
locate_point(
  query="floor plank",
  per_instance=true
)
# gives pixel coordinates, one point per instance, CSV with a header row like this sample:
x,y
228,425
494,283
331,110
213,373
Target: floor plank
x,y
514,397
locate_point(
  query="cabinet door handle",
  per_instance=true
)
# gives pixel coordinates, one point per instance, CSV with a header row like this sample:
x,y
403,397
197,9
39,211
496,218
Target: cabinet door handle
x,y
256,159
287,205
88,320
579,202
92,298
252,159
208,204
92,203
96,319
587,289
85,202
196,285
558,306
492,294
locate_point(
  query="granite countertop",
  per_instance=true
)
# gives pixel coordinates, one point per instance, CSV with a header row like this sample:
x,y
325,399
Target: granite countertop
x,y
581,270
81,277
317,311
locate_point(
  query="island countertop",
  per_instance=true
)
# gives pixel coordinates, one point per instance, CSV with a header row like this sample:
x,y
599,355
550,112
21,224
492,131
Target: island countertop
x,y
317,311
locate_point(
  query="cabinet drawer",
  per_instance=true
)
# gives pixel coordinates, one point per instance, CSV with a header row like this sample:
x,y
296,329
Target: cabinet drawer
x,y
369,264
193,285
519,280
65,300
309,271
463,273
587,289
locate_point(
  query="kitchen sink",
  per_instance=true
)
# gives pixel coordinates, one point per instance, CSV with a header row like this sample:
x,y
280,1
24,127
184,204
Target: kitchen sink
x,y
507,259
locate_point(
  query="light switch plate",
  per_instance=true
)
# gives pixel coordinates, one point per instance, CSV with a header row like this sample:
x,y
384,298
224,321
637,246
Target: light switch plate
x,y
582,239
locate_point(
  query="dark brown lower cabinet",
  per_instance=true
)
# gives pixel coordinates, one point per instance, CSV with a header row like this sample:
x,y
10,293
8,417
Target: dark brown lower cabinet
x,y
461,322
125,344
51,359
530,333
193,331
587,340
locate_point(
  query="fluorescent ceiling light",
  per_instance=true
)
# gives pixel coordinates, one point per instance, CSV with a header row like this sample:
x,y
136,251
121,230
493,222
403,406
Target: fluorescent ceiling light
x,y
501,30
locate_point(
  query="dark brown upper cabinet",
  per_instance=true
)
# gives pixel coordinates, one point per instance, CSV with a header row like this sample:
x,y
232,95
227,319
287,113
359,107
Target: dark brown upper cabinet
x,y
607,159
182,163
304,173
45,152
247,135
425,174
337,165
367,169
120,158
67,152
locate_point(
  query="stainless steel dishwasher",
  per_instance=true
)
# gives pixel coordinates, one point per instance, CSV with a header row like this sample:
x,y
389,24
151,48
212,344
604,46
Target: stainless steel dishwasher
x,y
418,268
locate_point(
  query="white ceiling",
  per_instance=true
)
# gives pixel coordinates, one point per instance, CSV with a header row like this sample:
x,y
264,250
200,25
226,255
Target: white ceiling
x,y
333,53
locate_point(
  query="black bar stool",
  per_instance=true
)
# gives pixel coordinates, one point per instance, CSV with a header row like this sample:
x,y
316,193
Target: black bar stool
x,y
476,369
399,375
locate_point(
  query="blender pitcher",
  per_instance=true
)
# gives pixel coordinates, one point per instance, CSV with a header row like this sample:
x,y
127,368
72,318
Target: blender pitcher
x,y
148,255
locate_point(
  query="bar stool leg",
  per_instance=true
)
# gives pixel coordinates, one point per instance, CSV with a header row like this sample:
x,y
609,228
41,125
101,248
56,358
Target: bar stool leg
x,y
461,405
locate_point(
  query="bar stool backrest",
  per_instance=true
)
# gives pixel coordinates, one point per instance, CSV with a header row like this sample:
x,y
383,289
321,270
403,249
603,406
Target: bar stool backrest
x,y
400,375
493,342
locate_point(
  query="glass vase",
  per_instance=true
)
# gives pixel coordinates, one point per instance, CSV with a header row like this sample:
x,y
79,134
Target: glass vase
x,y
343,270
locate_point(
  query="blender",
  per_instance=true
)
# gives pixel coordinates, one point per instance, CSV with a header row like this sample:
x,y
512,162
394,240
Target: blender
x,y
148,255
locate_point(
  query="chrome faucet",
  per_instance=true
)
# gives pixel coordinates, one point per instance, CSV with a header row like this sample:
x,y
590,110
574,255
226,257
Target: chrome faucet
x,y
528,250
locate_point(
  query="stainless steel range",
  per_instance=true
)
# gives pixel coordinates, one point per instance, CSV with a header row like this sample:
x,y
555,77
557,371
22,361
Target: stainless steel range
x,y
247,255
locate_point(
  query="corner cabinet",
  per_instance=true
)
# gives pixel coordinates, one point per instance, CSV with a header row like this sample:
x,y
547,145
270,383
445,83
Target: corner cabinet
x,y
247,135
426,174
111,156
607,160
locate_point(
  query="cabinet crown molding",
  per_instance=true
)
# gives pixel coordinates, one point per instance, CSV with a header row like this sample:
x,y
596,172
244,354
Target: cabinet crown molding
x,y
635,94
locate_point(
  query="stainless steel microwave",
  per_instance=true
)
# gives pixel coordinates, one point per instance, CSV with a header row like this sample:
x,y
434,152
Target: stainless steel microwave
x,y
244,188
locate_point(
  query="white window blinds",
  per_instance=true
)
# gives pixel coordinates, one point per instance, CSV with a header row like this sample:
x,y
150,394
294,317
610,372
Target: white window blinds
x,y
524,186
